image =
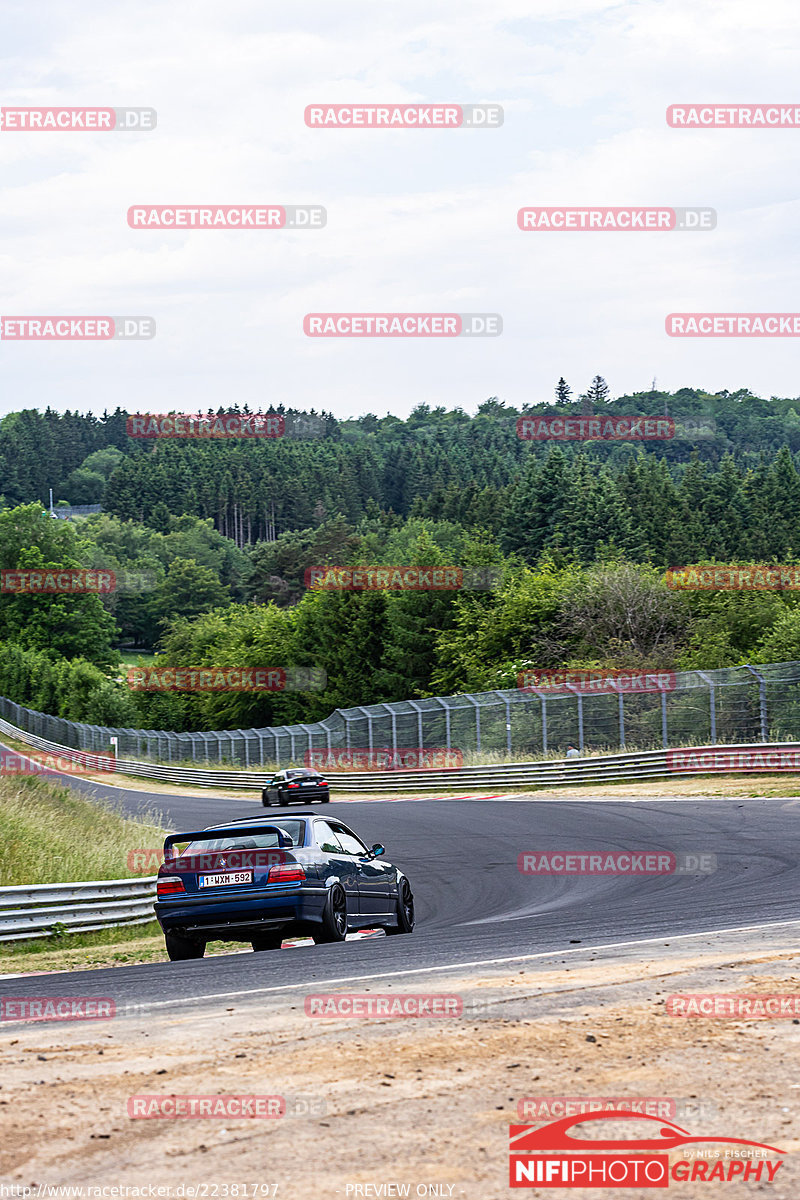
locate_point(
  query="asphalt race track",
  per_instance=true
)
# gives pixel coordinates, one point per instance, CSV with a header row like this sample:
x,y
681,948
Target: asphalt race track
x,y
473,904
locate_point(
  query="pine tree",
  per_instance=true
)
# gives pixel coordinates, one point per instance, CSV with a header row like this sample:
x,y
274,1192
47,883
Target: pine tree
x,y
535,505
563,391
598,392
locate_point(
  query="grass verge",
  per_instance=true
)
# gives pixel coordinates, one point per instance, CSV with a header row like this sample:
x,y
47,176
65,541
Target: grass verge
x,y
121,947
50,834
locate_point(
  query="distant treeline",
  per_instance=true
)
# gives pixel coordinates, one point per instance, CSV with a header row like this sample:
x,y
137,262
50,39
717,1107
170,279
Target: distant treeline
x,y
436,463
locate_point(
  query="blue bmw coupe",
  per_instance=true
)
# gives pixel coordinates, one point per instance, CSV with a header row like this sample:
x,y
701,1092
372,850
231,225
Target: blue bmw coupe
x,y
260,881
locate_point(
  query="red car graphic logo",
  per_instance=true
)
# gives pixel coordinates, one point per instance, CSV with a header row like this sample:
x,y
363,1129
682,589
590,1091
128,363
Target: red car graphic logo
x,y
665,1136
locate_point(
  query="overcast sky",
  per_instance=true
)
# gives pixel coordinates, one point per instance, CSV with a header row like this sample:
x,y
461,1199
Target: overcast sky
x,y
418,220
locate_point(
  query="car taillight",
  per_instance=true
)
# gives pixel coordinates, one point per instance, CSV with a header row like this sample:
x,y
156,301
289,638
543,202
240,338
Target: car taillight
x,y
286,873
294,785
322,783
169,885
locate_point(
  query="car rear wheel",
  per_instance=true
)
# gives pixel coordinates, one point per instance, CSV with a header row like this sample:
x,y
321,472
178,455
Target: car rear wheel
x,y
326,799
334,918
268,941
283,800
405,910
179,948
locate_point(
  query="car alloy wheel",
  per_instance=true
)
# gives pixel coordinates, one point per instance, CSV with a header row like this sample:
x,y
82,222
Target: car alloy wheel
x,y
334,918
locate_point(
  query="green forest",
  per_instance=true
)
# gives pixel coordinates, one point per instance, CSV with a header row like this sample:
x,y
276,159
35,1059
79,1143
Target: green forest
x,y
577,535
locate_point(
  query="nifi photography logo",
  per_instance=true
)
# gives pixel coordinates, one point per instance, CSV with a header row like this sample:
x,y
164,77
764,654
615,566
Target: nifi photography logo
x,y
582,1152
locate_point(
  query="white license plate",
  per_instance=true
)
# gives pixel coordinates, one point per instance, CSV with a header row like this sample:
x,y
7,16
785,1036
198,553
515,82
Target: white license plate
x,y
230,879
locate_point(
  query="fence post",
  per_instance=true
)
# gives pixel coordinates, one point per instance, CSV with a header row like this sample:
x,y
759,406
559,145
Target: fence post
x,y
664,738
711,706
418,711
474,703
446,708
361,709
310,735
572,688
762,701
621,723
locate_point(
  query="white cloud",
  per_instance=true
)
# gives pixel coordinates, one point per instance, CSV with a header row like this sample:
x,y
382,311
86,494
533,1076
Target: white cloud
x,y
418,220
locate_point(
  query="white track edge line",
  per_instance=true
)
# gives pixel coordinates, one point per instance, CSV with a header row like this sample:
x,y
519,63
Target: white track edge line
x,y
482,962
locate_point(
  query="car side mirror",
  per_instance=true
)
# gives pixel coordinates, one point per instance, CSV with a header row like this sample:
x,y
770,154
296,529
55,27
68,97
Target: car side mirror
x,y
378,849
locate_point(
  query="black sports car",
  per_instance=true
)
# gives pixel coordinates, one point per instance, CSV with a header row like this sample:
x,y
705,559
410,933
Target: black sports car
x,y
260,880
296,785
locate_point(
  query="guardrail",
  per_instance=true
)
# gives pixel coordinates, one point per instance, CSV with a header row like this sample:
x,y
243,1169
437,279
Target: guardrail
x,y
35,912
646,764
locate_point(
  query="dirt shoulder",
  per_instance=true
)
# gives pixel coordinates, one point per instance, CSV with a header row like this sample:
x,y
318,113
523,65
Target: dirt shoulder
x,y
417,1101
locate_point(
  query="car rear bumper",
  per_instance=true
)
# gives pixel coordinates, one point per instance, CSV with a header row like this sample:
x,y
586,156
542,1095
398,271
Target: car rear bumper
x,y
275,909
306,796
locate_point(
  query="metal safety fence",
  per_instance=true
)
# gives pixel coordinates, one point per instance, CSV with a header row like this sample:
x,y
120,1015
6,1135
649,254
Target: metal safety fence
x,y
45,909
609,768
735,705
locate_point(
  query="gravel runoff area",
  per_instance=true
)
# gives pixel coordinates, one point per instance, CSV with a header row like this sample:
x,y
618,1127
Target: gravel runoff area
x,y
377,1106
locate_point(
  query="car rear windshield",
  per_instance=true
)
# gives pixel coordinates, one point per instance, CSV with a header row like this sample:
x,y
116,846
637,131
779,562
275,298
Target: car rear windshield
x,y
268,840
302,774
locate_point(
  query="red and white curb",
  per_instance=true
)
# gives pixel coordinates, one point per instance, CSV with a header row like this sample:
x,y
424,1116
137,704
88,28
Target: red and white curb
x,y
401,798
